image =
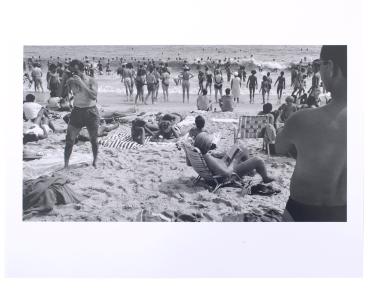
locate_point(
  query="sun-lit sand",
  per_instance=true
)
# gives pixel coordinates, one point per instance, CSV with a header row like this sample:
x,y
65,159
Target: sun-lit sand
x,y
137,185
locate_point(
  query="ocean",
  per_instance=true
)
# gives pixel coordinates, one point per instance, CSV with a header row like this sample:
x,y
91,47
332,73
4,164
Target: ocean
x,y
269,57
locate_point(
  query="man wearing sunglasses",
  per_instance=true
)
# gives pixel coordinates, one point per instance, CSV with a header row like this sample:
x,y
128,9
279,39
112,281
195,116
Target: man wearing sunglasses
x,y
319,182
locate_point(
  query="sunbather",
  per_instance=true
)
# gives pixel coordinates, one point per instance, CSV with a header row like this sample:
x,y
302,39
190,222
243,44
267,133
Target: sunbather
x,y
234,161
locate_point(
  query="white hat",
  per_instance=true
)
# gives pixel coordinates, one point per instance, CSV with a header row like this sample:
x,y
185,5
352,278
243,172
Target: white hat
x,y
236,73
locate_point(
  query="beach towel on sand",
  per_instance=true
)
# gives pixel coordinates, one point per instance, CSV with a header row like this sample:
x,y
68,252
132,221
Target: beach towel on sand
x,y
121,139
42,194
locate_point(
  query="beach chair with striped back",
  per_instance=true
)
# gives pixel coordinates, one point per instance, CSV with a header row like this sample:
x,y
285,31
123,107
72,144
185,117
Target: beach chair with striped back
x,y
199,165
251,126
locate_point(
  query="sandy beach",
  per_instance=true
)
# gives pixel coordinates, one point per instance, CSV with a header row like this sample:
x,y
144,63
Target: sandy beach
x,y
153,183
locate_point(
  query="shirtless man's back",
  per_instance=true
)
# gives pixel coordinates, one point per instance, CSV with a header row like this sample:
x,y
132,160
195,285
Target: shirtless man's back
x,y
318,187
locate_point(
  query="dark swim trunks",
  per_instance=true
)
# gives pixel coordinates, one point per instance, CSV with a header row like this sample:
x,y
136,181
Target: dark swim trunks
x,y
310,213
88,117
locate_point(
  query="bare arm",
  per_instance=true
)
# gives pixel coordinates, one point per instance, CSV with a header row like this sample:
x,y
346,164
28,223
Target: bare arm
x,y
284,139
91,88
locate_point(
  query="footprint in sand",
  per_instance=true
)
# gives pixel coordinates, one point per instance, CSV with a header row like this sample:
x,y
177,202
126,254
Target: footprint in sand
x,y
108,183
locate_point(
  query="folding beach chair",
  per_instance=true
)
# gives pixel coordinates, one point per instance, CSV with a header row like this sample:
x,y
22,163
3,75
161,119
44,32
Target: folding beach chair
x,y
251,127
199,165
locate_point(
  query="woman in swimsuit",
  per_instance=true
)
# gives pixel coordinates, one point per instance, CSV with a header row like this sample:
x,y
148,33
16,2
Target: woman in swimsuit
x,y
165,77
157,75
151,84
218,83
140,82
209,79
185,76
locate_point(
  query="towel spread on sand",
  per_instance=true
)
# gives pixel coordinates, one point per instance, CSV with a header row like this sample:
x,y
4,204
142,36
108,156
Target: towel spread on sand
x,y
121,139
189,120
226,120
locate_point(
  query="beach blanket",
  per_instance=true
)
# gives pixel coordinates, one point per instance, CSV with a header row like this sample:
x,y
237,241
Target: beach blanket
x,y
189,120
225,120
121,139
41,195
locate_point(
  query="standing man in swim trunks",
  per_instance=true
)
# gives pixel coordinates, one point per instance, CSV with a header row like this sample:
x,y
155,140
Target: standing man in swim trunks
x,y
84,112
318,187
315,86
37,77
126,78
252,84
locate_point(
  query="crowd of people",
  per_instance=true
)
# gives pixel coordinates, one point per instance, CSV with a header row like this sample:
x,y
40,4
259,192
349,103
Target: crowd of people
x,y
316,137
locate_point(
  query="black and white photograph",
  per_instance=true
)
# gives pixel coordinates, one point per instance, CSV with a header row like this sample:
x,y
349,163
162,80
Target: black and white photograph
x,y
185,133
139,117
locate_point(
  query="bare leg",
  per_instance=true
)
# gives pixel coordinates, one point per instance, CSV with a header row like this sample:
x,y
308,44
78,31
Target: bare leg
x,y
93,134
255,163
72,133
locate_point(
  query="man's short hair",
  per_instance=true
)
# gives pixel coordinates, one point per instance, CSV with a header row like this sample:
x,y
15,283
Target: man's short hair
x,y
79,64
204,92
227,91
267,108
337,54
200,122
52,67
30,98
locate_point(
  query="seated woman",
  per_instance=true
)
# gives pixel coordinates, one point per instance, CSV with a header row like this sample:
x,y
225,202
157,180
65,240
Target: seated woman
x,y
203,102
234,161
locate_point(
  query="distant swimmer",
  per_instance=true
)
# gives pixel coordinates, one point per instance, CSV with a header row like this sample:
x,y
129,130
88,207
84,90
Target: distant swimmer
x,y
252,83
269,80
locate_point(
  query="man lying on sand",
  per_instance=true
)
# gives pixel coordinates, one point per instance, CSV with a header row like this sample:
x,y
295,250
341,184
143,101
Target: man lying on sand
x,y
239,163
319,182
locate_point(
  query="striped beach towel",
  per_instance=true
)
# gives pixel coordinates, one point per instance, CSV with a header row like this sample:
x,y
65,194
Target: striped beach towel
x,y
121,139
